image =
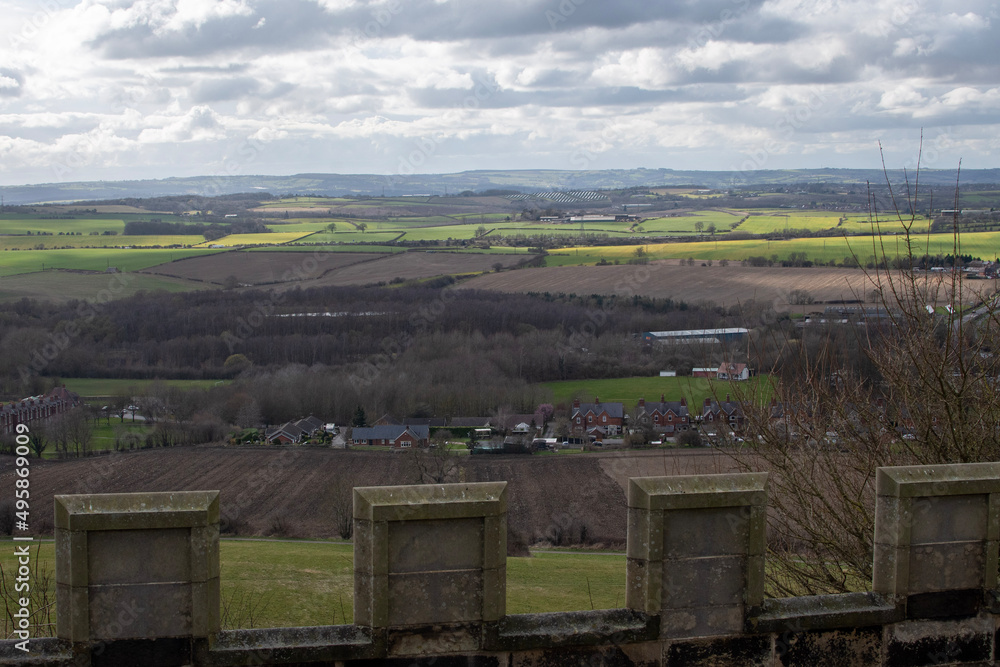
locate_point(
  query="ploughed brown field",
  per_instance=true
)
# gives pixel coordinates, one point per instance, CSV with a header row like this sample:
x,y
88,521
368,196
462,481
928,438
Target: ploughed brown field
x,y
314,269
723,285
255,268
303,486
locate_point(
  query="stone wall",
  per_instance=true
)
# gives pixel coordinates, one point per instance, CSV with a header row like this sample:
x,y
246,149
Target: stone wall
x,y
138,583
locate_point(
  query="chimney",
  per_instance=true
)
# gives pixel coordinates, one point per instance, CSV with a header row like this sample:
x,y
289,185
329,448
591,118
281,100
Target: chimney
x,y
708,402
576,402
727,398
642,402
662,399
684,402
597,400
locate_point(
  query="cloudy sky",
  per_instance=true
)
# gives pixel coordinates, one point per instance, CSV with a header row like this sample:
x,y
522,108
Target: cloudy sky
x,y
123,89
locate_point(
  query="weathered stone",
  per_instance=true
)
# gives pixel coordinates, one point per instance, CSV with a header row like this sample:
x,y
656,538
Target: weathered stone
x,y
693,491
72,613
139,556
71,557
494,594
435,597
954,479
644,585
941,567
124,511
430,501
949,519
701,621
703,582
706,532
747,651
140,611
919,643
434,640
819,612
893,520
424,546
832,648
891,570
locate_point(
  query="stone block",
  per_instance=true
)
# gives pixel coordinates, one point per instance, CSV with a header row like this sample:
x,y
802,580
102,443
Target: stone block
x,y
919,643
694,491
702,582
701,622
206,608
435,597
893,520
644,585
371,547
699,532
746,651
139,556
430,501
755,581
125,511
942,567
433,642
72,613
140,611
362,598
494,594
495,542
430,546
955,479
645,534
71,557
891,570
949,519
205,553
831,648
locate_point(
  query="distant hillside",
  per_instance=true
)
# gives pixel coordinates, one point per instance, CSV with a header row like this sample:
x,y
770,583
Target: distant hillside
x,y
528,180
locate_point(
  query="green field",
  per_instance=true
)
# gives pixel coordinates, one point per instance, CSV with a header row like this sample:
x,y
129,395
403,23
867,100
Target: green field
x,y
52,242
13,262
61,286
307,584
766,224
102,387
274,238
630,390
22,225
979,244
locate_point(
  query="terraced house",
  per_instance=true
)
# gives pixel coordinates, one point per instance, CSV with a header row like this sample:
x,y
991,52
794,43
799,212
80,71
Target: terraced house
x,y
666,417
36,408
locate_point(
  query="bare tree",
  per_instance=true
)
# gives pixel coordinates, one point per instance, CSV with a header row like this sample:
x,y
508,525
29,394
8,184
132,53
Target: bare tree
x,y
919,389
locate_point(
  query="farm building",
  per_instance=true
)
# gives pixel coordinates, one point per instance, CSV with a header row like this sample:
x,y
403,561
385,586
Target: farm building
x,y
728,371
688,336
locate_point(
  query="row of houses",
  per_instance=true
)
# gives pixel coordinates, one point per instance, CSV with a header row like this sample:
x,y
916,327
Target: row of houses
x,y
36,408
599,420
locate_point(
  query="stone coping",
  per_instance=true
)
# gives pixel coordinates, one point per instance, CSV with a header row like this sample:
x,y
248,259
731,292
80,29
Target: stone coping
x,y
696,491
430,501
287,645
121,511
43,651
953,479
574,628
823,612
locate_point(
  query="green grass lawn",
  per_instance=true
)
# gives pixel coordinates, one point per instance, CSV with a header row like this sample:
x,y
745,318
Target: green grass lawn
x,y
100,387
630,390
305,584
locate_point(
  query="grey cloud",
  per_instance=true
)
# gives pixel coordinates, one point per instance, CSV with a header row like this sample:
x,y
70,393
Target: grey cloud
x,y
218,90
13,80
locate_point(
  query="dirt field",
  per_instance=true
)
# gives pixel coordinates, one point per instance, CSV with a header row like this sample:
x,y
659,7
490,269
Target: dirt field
x,y
546,493
724,285
254,268
414,265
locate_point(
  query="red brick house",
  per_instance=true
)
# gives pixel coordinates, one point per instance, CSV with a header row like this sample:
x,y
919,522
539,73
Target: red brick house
x,y
667,417
392,435
36,408
597,417
715,414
